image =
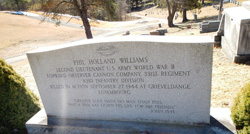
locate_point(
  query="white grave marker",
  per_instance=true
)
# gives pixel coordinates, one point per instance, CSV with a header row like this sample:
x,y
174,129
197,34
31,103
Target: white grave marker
x,y
144,78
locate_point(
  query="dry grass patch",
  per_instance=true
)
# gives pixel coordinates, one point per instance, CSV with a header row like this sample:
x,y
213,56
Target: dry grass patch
x,y
227,79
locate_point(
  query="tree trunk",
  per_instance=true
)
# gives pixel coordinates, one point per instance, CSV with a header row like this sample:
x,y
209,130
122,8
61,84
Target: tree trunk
x,y
82,10
86,25
171,12
85,20
170,21
220,11
184,19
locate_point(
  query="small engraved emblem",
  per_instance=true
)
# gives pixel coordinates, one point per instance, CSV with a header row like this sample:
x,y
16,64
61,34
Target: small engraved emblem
x,y
107,50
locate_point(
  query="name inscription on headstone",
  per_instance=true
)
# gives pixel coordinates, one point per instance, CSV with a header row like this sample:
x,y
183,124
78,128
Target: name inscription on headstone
x,y
139,81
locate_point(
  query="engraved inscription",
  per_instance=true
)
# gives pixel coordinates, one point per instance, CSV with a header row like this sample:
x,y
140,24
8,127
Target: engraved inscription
x,y
152,106
121,76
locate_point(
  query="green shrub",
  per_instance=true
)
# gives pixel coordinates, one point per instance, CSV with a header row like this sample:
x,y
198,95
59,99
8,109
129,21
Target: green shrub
x,y
17,103
241,110
245,130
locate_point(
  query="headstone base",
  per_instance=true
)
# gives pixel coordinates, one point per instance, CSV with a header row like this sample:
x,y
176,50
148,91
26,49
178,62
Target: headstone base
x,y
231,55
40,124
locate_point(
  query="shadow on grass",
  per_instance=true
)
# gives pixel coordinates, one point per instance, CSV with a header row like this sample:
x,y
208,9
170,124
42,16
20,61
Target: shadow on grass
x,y
207,18
178,26
176,29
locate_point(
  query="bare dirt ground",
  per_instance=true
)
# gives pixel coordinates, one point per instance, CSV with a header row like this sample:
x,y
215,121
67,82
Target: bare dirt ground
x,y
19,34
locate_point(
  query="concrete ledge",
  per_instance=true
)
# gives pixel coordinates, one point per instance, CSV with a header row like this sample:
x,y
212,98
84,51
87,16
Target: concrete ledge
x,y
38,124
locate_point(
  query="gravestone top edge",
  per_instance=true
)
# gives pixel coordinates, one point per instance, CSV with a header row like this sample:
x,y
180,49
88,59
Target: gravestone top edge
x,y
246,4
159,39
238,13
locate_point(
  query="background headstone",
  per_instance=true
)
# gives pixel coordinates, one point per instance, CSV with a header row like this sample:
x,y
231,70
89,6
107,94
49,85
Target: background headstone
x,y
236,39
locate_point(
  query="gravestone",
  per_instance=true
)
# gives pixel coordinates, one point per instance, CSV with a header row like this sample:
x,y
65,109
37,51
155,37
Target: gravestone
x,y
209,26
236,39
162,31
154,33
133,79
